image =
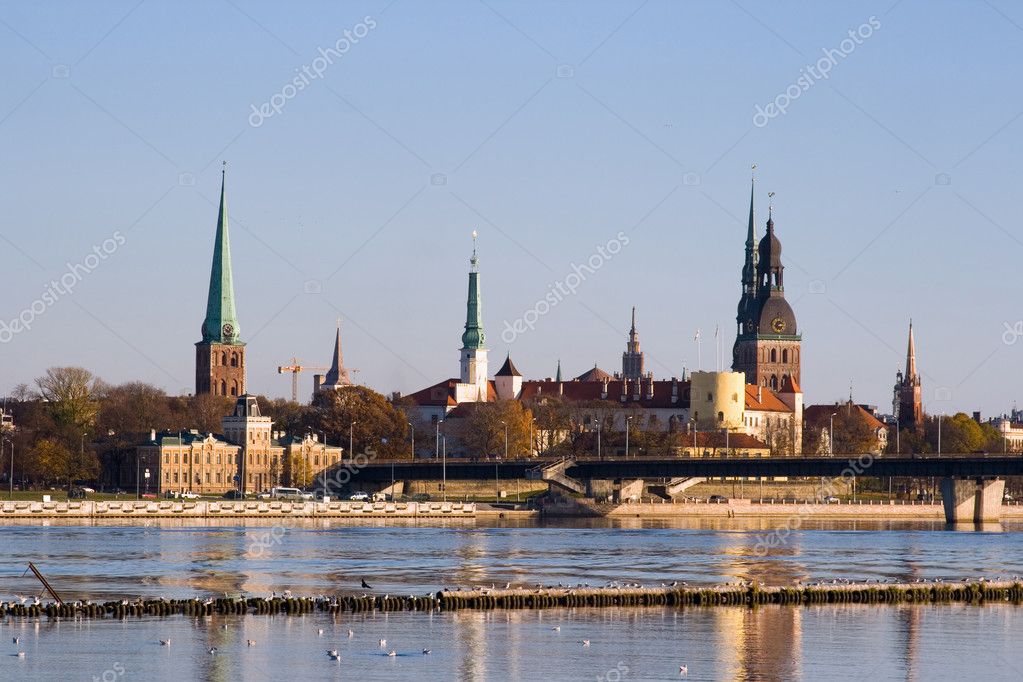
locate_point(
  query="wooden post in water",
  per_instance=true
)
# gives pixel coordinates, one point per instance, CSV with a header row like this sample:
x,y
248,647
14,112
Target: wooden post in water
x,y
46,584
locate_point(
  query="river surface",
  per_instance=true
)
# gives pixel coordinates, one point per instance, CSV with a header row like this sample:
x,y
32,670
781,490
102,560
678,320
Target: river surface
x,y
176,559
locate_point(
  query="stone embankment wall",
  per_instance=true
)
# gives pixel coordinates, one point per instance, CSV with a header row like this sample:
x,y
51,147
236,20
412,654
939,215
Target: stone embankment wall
x,y
235,509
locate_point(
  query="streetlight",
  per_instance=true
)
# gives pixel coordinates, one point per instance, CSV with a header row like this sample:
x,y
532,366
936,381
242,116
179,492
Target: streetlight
x,y
831,433
628,422
351,440
436,452
597,423
939,434
11,443
444,465
692,421
532,420
413,452
505,439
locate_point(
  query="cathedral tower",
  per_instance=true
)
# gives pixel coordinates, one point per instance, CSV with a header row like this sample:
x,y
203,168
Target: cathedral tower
x,y
220,356
906,403
767,343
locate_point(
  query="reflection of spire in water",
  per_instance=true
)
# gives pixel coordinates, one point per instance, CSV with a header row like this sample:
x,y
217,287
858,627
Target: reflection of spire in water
x,y
909,630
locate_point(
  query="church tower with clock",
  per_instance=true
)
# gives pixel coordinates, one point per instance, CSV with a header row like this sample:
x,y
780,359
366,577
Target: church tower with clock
x,y
767,343
220,356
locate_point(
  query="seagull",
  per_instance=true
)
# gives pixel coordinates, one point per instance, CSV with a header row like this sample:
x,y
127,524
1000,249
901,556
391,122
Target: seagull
x,y
556,628
586,642
250,642
320,632
392,653
165,642
212,650
507,586
683,670
426,651
16,639
365,585
351,633
21,654
383,643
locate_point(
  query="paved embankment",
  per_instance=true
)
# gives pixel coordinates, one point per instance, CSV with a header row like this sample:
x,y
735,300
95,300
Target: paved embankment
x,y
235,509
970,592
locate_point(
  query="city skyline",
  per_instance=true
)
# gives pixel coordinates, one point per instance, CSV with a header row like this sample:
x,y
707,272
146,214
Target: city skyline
x,y
324,186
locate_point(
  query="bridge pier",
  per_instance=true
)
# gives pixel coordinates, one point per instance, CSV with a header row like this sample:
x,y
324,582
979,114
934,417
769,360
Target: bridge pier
x,y
974,500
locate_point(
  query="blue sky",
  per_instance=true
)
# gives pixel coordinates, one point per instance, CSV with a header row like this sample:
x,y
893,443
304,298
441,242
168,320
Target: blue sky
x,y
550,128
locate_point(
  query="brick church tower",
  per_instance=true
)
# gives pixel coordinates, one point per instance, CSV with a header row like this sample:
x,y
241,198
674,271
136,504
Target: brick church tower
x,y
632,358
767,343
906,403
220,356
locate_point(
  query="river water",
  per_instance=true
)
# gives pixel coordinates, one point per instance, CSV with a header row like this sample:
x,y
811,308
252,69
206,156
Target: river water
x,y
175,559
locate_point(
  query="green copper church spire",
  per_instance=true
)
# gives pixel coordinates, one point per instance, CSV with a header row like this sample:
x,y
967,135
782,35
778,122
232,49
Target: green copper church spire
x,y
473,336
221,323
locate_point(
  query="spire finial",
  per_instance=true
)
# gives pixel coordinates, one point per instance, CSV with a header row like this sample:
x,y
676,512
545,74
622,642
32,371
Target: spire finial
x,y
753,172
474,260
339,322
770,204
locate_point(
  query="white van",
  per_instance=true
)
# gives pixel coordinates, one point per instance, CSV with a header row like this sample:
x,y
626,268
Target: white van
x,y
286,494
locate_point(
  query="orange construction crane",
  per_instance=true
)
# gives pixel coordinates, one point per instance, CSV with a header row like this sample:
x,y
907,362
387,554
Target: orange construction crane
x,y
295,368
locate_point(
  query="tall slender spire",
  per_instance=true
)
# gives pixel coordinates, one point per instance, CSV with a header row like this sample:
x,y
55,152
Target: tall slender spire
x,y
473,336
337,374
558,375
632,358
749,270
221,323
910,355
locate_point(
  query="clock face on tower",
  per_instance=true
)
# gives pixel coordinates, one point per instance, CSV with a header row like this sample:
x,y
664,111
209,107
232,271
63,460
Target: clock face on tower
x,y
228,330
778,325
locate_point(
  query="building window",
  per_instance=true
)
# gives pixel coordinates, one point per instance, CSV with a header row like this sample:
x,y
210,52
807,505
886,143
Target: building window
x,y
175,477
774,355
234,359
785,355
223,388
721,417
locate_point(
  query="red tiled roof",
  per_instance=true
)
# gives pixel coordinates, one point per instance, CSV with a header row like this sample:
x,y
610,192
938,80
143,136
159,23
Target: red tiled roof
x,y
595,374
581,391
763,399
821,414
443,394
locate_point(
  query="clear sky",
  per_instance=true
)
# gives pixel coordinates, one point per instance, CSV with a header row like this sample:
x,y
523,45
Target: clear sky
x,y
548,126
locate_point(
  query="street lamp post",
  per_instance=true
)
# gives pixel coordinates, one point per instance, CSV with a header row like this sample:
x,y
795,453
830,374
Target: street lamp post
x,y
939,434
532,420
351,440
413,446
831,433
597,423
693,421
505,439
628,422
444,465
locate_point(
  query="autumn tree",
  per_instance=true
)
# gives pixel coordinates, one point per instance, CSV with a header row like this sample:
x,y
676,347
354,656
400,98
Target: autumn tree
x,y
553,417
484,429
71,395
374,422
206,410
55,461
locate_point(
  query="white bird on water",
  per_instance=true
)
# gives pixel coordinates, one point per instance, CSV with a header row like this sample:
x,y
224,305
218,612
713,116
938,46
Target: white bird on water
x,y
683,670
426,651
586,642
250,642
320,632
556,628
351,633
16,639
212,650
383,643
333,654
165,642
392,653
21,654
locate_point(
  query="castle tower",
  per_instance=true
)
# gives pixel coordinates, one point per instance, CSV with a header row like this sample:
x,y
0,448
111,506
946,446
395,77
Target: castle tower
x,y
767,346
473,361
508,381
906,402
220,356
338,375
632,358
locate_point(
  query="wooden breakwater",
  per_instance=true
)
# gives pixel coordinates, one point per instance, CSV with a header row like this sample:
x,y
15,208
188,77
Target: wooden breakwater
x,y
750,596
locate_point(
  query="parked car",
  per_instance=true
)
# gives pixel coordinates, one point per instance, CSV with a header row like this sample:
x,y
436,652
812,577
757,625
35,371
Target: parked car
x,y
281,493
306,495
421,497
359,497
830,499
320,494
717,498
264,495
189,495
232,495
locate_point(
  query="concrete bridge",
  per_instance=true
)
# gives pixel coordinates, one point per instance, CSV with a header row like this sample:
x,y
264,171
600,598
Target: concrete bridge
x,y
971,484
